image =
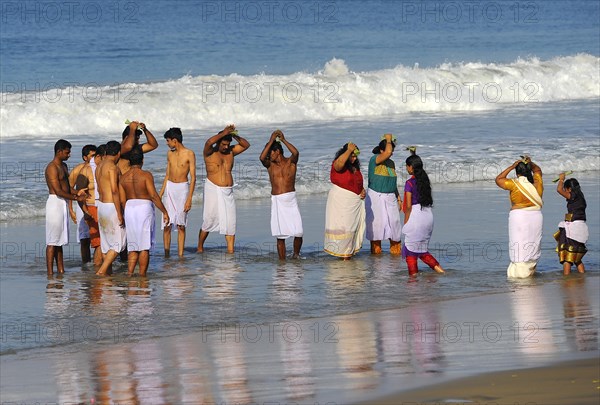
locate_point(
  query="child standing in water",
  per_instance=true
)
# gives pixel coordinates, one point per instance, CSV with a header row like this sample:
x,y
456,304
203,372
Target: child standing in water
x,y
418,217
573,231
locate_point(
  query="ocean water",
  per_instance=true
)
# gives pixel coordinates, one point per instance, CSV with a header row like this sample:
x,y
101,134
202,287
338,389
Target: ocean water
x,y
472,84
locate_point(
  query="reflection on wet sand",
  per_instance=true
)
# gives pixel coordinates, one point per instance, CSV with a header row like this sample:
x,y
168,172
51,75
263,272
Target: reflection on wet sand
x,y
220,282
357,353
297,369
581,326
532,320
287,283
309,361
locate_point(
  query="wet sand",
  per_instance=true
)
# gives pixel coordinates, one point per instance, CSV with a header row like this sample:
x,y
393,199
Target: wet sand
x,y
568,383
342,359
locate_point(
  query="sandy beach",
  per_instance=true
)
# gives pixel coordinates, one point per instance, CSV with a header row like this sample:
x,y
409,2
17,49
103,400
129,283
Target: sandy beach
x,y
569,382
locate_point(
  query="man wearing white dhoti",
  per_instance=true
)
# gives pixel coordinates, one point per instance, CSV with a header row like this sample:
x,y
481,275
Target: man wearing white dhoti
x,y
345,211
285,215
177,191
525,219
218,159
382,201
137,187
57,219
110,215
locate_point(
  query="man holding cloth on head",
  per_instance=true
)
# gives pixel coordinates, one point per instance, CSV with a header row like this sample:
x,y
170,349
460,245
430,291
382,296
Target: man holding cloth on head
x,y
285,215
219,205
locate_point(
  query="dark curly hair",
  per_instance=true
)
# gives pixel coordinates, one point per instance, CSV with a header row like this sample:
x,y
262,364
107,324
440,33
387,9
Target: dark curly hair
x,y
348,165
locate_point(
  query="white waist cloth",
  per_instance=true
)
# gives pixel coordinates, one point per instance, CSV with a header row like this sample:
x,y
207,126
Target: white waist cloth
x,y
94,166
174,199
417,231
576,230
219,209
285,216
383,216
139,225
524,242
57,221
112,236
83,230
344,222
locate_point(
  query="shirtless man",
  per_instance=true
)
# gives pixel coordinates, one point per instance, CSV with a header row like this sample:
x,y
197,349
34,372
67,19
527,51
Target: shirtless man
x,y
131,138
137,188
80,212
59,191
219,204
110,214
181,162
285,215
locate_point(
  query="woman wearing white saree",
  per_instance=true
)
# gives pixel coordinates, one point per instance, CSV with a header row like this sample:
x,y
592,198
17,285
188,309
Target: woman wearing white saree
x,y
345,213
525,219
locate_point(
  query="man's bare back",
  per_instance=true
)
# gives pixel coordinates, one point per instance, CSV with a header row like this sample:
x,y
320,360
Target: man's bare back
x,y
91,184
108,176
137,184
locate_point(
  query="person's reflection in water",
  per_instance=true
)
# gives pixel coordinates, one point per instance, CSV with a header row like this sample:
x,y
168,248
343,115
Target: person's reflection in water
x,y
581,326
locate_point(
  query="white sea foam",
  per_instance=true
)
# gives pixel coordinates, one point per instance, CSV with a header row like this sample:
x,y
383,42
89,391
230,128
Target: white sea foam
x,y
333,93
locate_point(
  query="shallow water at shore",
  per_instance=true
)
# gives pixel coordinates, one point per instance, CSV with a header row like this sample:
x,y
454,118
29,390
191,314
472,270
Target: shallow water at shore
x,y
216,289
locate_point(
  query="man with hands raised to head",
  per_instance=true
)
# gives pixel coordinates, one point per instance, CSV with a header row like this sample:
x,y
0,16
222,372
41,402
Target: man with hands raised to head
x,y
219,205
285,215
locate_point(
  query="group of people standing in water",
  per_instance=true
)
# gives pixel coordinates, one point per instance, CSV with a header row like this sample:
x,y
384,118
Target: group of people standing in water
x,y
353,211
346,219
116,199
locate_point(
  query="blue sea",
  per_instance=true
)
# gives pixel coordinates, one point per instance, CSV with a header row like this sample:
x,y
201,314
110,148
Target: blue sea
x,y
473,85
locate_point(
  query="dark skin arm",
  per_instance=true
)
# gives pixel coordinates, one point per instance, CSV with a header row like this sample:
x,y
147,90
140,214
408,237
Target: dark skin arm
x,y
408,205
122,195
291,148
242,145
129,141
210,142
154,197
151,143
53,180
264,155
340,162
387,153
116,194
560,187
501,178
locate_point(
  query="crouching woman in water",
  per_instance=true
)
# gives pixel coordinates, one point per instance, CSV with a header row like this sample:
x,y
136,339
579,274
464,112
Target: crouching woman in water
x,y
418,217
573,231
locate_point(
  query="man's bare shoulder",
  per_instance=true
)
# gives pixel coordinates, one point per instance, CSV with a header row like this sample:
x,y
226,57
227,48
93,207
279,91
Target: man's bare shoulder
x,y
188,154
79,167
87,171
51,168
